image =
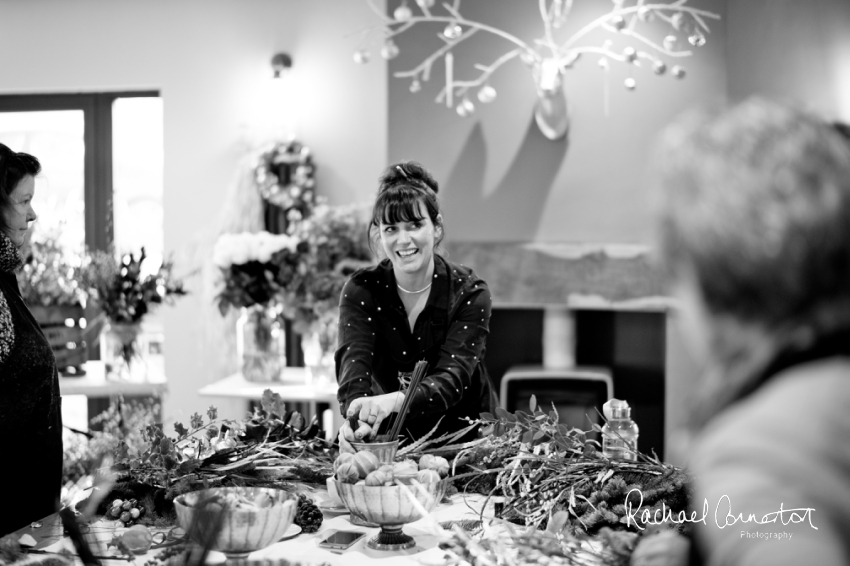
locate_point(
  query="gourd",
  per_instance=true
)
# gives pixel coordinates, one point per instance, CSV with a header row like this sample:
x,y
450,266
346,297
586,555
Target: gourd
x,y
427,476
342,458
365,462
379,477
405,468
425,461
436,463
347,473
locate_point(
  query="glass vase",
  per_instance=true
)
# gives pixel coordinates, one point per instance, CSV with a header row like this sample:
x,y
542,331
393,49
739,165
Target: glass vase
x,y
319,346
121,352
260,344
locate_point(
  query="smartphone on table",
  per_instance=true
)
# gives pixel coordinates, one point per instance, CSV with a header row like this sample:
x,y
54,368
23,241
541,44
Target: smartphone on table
x,y
341,540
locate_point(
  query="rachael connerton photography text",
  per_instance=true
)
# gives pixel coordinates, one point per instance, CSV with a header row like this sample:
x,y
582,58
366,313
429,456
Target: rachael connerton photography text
x,y
723,515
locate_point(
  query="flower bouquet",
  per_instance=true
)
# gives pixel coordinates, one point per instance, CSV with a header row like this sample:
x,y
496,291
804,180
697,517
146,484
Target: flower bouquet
x,y
298,277
49,286
250,283
332,244
125,294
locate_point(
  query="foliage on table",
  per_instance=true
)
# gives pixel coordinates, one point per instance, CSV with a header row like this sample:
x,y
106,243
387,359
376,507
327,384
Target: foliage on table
x,y
122,421
122,290
504,543
541,466
270,447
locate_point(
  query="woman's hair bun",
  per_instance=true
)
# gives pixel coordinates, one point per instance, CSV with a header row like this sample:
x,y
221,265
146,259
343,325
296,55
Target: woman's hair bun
x,y
406,172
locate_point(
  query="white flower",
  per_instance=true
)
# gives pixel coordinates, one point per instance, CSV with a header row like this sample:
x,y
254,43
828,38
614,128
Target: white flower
x,y
223,251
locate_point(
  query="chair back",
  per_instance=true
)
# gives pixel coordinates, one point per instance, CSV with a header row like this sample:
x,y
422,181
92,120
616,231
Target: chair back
x,y
576,393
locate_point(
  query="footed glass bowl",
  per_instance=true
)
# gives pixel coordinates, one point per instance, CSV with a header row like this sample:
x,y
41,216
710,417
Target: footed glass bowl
x,y
390,508
245,528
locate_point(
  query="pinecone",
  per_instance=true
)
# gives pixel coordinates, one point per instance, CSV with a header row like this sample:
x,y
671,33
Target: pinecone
x,y
309,516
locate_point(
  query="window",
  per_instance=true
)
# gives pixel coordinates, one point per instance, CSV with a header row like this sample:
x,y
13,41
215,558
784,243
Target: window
x,y
102,159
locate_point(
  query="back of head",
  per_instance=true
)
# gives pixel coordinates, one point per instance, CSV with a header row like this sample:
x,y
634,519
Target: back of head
x,y
755,203
14,167
403,189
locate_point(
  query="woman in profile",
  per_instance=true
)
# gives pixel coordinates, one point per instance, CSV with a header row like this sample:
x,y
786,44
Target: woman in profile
x,y
30,406
414,305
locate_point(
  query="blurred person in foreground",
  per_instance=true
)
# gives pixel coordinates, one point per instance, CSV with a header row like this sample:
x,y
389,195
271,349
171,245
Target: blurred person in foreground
x,y
754,234
30,415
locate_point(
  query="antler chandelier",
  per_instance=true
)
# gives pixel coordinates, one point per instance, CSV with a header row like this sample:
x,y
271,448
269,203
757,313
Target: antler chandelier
x,y
548,58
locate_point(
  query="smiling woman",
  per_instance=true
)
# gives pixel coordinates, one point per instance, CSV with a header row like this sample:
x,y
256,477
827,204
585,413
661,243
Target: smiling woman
x,y
414,305
30,419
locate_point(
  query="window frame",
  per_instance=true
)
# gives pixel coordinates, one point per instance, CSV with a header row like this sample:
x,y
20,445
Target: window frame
x,y
97,139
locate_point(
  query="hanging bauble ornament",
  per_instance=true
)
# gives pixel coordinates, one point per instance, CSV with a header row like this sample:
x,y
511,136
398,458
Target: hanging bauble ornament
x,y
670,42
527,58
389,50
659,67
452,31
361,56
645,14
630,83
425,4
402,13
415,86
630,54
697,39
487,94
677,72
677,20
618,22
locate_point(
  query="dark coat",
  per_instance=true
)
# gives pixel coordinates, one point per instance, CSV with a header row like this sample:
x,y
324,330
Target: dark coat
x,y
376,345
30,408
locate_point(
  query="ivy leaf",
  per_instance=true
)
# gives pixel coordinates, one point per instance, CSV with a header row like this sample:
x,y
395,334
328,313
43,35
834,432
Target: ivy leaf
x,y
296,421
122,451
498,430
181,430
528,437
212,413
532,403
502,413
196,421
487,417
273,403
267,401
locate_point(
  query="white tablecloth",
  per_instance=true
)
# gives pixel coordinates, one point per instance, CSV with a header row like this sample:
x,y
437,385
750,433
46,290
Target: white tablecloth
x,y
305,547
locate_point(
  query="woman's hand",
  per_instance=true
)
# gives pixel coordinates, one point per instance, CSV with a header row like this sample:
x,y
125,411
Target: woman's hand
x,y
371,412
346,435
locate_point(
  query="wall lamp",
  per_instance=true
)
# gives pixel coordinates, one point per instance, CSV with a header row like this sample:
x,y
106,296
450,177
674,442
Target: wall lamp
x,y
280,63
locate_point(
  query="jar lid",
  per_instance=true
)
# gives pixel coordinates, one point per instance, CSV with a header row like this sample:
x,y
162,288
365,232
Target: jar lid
x,y
620,409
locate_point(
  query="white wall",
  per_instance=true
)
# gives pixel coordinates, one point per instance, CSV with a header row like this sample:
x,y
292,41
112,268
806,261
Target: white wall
x,y
210,61
794,51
